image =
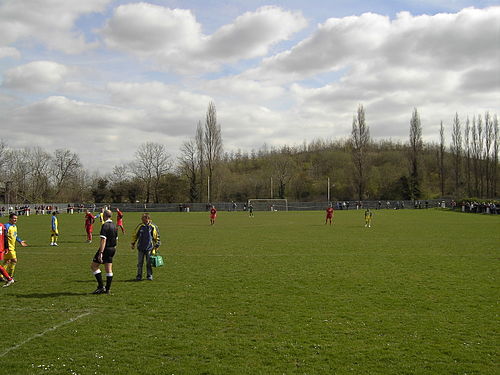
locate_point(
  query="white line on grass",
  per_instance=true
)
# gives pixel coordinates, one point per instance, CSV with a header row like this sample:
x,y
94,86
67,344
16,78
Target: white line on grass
x,y
43,333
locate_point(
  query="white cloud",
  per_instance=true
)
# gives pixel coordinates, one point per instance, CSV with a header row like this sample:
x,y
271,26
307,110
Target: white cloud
x,y
51,22
37,76
173,39
9,52
441,41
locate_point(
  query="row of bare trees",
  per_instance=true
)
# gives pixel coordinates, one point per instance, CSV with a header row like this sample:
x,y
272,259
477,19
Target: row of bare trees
x,y
359,168
33,174
474,156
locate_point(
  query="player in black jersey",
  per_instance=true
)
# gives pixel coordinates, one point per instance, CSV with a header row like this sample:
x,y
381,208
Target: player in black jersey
x,y
105,253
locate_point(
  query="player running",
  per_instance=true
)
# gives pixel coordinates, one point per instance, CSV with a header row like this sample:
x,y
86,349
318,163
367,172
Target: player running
x,y
54,230
368,218
119,220
329,214
213,215
89,225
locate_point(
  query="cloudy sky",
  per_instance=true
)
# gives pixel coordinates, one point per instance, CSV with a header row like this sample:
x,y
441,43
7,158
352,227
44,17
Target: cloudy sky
x,y
100,77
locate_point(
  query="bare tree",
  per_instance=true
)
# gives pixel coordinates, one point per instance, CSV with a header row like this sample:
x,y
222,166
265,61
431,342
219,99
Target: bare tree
x,y
38,161
188,166
360,140
65,165
151,162
488,140
282,166
121,173
480,154
415,149
468,155
441,158
17,174
212,144
456,151
200,149
475,155
3,156
496,135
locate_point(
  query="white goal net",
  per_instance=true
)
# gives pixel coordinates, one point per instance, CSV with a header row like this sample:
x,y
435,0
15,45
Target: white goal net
x,y
269,204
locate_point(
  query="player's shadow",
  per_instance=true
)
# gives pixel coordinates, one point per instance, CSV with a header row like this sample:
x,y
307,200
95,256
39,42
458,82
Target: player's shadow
x,y
50,295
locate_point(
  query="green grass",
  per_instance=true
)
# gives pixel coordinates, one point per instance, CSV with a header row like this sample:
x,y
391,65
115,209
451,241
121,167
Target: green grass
x,y
277,294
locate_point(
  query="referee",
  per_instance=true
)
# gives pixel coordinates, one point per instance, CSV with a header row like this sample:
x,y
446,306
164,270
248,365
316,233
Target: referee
x,y
105,253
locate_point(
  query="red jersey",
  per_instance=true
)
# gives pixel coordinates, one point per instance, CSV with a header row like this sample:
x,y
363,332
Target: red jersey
x,y
213,212
89,219
119,217
329,212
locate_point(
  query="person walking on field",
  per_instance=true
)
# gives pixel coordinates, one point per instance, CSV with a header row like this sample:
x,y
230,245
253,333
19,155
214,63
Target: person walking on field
x,y
11,237
119,220
54,230
147,237
105,253
89,225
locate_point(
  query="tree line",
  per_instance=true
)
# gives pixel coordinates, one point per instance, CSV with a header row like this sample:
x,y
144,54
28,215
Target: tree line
x,y
357,166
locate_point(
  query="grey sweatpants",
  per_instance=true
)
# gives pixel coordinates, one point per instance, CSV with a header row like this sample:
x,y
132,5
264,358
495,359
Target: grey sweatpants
x,y
140,261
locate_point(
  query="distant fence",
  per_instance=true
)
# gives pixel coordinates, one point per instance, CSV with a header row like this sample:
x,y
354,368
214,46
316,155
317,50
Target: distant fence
x,y
226,206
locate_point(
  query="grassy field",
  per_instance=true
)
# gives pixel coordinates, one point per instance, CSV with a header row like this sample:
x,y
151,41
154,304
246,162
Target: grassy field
x,y
280,293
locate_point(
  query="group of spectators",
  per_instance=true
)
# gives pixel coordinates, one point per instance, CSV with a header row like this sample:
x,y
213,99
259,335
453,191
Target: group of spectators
x,y
41,209
481,207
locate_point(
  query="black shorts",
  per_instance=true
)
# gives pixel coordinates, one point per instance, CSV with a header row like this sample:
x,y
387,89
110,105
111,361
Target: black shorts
x,y
107,255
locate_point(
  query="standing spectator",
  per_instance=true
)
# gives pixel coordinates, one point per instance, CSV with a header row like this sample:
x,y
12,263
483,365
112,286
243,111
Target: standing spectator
x,y
147,237
89,225
119,220
250,210
105,254
11,237
54,234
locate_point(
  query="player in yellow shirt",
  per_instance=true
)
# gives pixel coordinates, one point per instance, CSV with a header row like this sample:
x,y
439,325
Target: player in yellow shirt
x,y
368,218
54,230
11,237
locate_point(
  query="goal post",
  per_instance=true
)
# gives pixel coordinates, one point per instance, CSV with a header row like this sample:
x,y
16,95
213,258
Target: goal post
x,y
260,204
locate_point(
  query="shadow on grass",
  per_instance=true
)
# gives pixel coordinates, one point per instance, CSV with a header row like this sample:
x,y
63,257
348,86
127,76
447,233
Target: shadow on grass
x,y
49,295
90,281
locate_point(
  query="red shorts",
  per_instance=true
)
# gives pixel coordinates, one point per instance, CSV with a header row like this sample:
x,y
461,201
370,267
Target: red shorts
x,y
213,216
329,216
119,222
89,228
1,254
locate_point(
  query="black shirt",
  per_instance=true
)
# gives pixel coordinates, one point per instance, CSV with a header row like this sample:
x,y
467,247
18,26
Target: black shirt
x,y
109,232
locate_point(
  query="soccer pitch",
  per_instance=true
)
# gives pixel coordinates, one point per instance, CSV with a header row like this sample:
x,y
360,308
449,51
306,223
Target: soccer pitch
x,y
280,293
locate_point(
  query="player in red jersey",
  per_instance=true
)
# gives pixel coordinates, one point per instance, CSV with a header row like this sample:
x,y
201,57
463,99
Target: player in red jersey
x,y
89,225
213,215
119,220
329,214
9,280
